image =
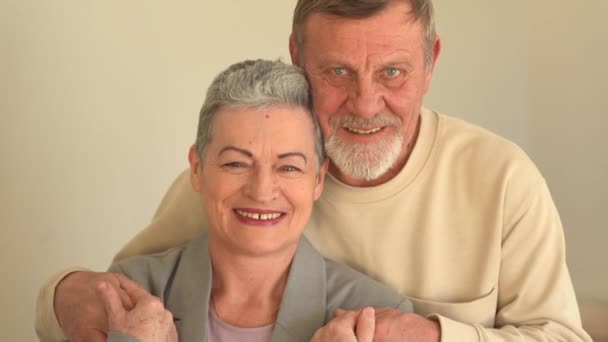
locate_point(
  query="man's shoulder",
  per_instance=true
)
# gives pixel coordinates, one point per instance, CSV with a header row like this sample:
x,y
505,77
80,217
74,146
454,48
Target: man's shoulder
x,y
458,130
350,289
482,149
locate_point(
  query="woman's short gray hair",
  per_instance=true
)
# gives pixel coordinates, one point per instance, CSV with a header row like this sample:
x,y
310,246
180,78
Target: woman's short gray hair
x,y
256,84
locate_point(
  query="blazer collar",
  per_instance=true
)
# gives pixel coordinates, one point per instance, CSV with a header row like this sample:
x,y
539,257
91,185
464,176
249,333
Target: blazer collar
x,y
188,295
303,305
302,309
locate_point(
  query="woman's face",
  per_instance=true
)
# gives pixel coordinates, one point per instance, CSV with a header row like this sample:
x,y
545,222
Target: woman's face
x,y
259,178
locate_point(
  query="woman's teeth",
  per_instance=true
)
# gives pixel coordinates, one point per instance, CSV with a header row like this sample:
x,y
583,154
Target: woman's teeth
x,y
258,216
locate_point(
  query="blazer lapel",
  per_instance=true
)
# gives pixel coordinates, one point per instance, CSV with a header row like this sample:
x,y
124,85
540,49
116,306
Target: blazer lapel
x,y
302,309
188,295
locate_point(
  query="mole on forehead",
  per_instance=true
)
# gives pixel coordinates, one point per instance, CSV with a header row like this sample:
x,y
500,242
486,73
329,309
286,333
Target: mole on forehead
x,y
267,116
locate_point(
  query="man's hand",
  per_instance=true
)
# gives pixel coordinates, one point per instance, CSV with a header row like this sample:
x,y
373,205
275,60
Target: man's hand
x,y
394,325
348,326
149,321
79,309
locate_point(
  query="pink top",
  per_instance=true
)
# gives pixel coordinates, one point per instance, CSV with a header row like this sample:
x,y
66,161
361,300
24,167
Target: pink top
x,y
220,331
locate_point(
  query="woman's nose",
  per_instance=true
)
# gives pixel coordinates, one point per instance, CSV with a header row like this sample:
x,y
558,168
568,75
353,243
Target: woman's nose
x,y
262,186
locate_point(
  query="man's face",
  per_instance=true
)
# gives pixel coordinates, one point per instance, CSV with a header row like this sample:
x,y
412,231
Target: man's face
x,y
368,78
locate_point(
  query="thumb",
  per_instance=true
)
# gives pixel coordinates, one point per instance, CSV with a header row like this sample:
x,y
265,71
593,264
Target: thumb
x,y
135,291
111,302
339,312
366,323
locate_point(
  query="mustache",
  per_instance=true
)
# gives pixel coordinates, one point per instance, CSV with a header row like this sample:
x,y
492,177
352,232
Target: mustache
x,y
350,120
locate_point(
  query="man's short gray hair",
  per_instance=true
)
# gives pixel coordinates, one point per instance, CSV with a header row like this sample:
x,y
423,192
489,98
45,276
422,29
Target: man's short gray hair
x,y
256,84
422,10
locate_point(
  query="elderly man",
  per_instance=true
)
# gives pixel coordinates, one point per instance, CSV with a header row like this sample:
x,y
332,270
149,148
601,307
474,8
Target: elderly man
x,y
452,216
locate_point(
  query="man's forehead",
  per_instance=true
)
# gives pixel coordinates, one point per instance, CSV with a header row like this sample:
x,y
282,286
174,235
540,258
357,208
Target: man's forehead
x,y
401,9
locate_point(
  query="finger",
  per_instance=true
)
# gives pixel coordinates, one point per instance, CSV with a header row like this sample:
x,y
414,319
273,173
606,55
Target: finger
x,y
116,279
133,290
384,313
126,300
366,323
95,335
111,302
383,310
347,319
340,312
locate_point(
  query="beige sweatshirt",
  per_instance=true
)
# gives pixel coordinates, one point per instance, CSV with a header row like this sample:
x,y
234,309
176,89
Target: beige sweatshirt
x,y
467,230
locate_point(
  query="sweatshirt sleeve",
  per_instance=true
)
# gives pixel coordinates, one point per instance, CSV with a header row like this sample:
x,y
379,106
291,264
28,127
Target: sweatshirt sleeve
x,y
536,299
46,325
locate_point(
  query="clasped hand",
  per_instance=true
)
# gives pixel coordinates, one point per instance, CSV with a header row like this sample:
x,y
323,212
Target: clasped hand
x,y
89,305
378,325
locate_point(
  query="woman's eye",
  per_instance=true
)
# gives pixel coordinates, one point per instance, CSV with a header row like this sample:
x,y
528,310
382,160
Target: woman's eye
x,y
392,72
290,168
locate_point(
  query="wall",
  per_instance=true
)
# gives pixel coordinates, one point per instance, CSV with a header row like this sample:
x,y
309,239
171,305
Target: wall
x,y
99,107
569,106
100,100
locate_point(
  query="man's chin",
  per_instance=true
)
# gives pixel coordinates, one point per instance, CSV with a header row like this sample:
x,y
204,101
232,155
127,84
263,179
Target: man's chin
x,y
361,171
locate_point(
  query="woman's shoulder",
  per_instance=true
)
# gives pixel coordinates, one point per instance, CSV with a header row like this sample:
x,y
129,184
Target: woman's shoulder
x,y
349,289
153,271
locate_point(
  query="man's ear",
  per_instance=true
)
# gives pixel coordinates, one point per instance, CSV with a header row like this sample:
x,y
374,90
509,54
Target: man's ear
x,y
321,179
436,51
431,68
293,50
195,168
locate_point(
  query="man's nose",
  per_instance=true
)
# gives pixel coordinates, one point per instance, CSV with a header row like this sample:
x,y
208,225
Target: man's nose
x,y
365,98
262,186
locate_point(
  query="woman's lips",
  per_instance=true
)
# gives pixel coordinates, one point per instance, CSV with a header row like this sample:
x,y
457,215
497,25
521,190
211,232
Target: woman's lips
x,y
259,217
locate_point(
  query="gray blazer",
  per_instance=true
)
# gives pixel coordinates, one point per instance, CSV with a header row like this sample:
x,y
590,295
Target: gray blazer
x,y
316,287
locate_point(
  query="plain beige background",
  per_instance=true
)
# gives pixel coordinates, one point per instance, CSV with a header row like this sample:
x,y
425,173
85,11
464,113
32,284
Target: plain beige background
x,y
99,103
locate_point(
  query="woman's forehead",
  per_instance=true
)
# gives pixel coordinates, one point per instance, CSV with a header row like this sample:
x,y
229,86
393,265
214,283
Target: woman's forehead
x,y
279,126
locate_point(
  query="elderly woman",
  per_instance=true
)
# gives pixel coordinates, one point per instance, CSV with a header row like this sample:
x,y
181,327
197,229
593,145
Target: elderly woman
x,y
258,165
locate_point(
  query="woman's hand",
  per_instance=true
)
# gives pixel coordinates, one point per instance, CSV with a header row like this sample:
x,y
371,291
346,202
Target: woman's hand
x,y
148,321
348,326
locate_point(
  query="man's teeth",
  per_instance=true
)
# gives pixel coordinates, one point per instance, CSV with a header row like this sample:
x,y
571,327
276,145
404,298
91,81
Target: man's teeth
x,y
360,131
257,216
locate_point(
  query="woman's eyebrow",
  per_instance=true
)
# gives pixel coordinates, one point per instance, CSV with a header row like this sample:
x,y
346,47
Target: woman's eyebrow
x,y
292,154
236,149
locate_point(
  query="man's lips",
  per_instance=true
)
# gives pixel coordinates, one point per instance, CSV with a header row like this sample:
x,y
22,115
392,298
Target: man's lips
x,y
362,130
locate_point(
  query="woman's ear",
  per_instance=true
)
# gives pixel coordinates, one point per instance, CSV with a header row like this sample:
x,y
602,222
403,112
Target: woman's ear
x,y
321,179
195,168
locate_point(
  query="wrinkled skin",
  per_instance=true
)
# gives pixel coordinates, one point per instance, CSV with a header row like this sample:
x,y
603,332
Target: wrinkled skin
x,y
80,310
148,320
348,326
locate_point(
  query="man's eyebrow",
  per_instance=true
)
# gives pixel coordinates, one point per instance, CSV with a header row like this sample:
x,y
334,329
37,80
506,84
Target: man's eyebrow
x,y
236,149
293,154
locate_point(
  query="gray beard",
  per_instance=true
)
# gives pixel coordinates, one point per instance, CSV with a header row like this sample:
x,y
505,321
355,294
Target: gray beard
x,y
364,161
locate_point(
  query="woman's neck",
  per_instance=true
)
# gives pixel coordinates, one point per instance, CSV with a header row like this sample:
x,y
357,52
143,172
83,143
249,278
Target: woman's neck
x,y
247,290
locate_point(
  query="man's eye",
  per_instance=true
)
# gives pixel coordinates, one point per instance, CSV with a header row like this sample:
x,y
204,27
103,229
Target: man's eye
x,y
339,71
235,165
392,72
